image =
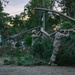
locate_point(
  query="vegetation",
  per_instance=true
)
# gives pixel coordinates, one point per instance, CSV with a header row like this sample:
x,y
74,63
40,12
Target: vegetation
x,y
42,50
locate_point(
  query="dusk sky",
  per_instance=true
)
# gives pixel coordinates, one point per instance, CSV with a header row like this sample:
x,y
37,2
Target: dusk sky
x,y
15,6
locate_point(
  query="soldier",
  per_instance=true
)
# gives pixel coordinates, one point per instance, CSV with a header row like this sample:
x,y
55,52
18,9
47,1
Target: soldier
x,y
13,43
56,44
34,36
22,45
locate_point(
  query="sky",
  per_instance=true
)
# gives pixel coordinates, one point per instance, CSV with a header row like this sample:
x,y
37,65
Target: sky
x,y
15,6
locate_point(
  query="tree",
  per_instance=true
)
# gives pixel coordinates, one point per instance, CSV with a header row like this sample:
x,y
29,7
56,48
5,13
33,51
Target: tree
x,y
3,19
35,19
1,16
67,6
4,2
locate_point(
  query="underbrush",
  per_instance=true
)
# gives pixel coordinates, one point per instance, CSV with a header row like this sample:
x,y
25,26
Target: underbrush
x,y
41,53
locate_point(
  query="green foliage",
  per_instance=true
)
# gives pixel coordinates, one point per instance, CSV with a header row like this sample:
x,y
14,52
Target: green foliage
x,y
6,62
36,18
1,8
67,25
9,61
37,49
42,49
69,10
66,55
28,40
27,59
48,48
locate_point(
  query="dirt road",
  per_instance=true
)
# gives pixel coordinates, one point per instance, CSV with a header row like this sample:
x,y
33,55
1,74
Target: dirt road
x,y
36,70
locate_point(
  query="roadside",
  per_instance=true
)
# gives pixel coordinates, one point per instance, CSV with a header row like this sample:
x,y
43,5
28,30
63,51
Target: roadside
x,y
36,70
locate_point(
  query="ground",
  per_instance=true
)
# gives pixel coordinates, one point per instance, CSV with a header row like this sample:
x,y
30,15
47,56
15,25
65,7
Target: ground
x,y
36,70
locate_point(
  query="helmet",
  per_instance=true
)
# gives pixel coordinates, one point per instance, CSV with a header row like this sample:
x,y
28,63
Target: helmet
x,y
58,27
33,31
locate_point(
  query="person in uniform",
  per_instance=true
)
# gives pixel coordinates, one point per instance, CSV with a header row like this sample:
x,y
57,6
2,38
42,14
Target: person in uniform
x,y
34,37
56,44
13,43
36,41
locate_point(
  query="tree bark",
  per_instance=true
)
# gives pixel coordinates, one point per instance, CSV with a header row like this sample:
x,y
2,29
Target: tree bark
x,y
60,14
